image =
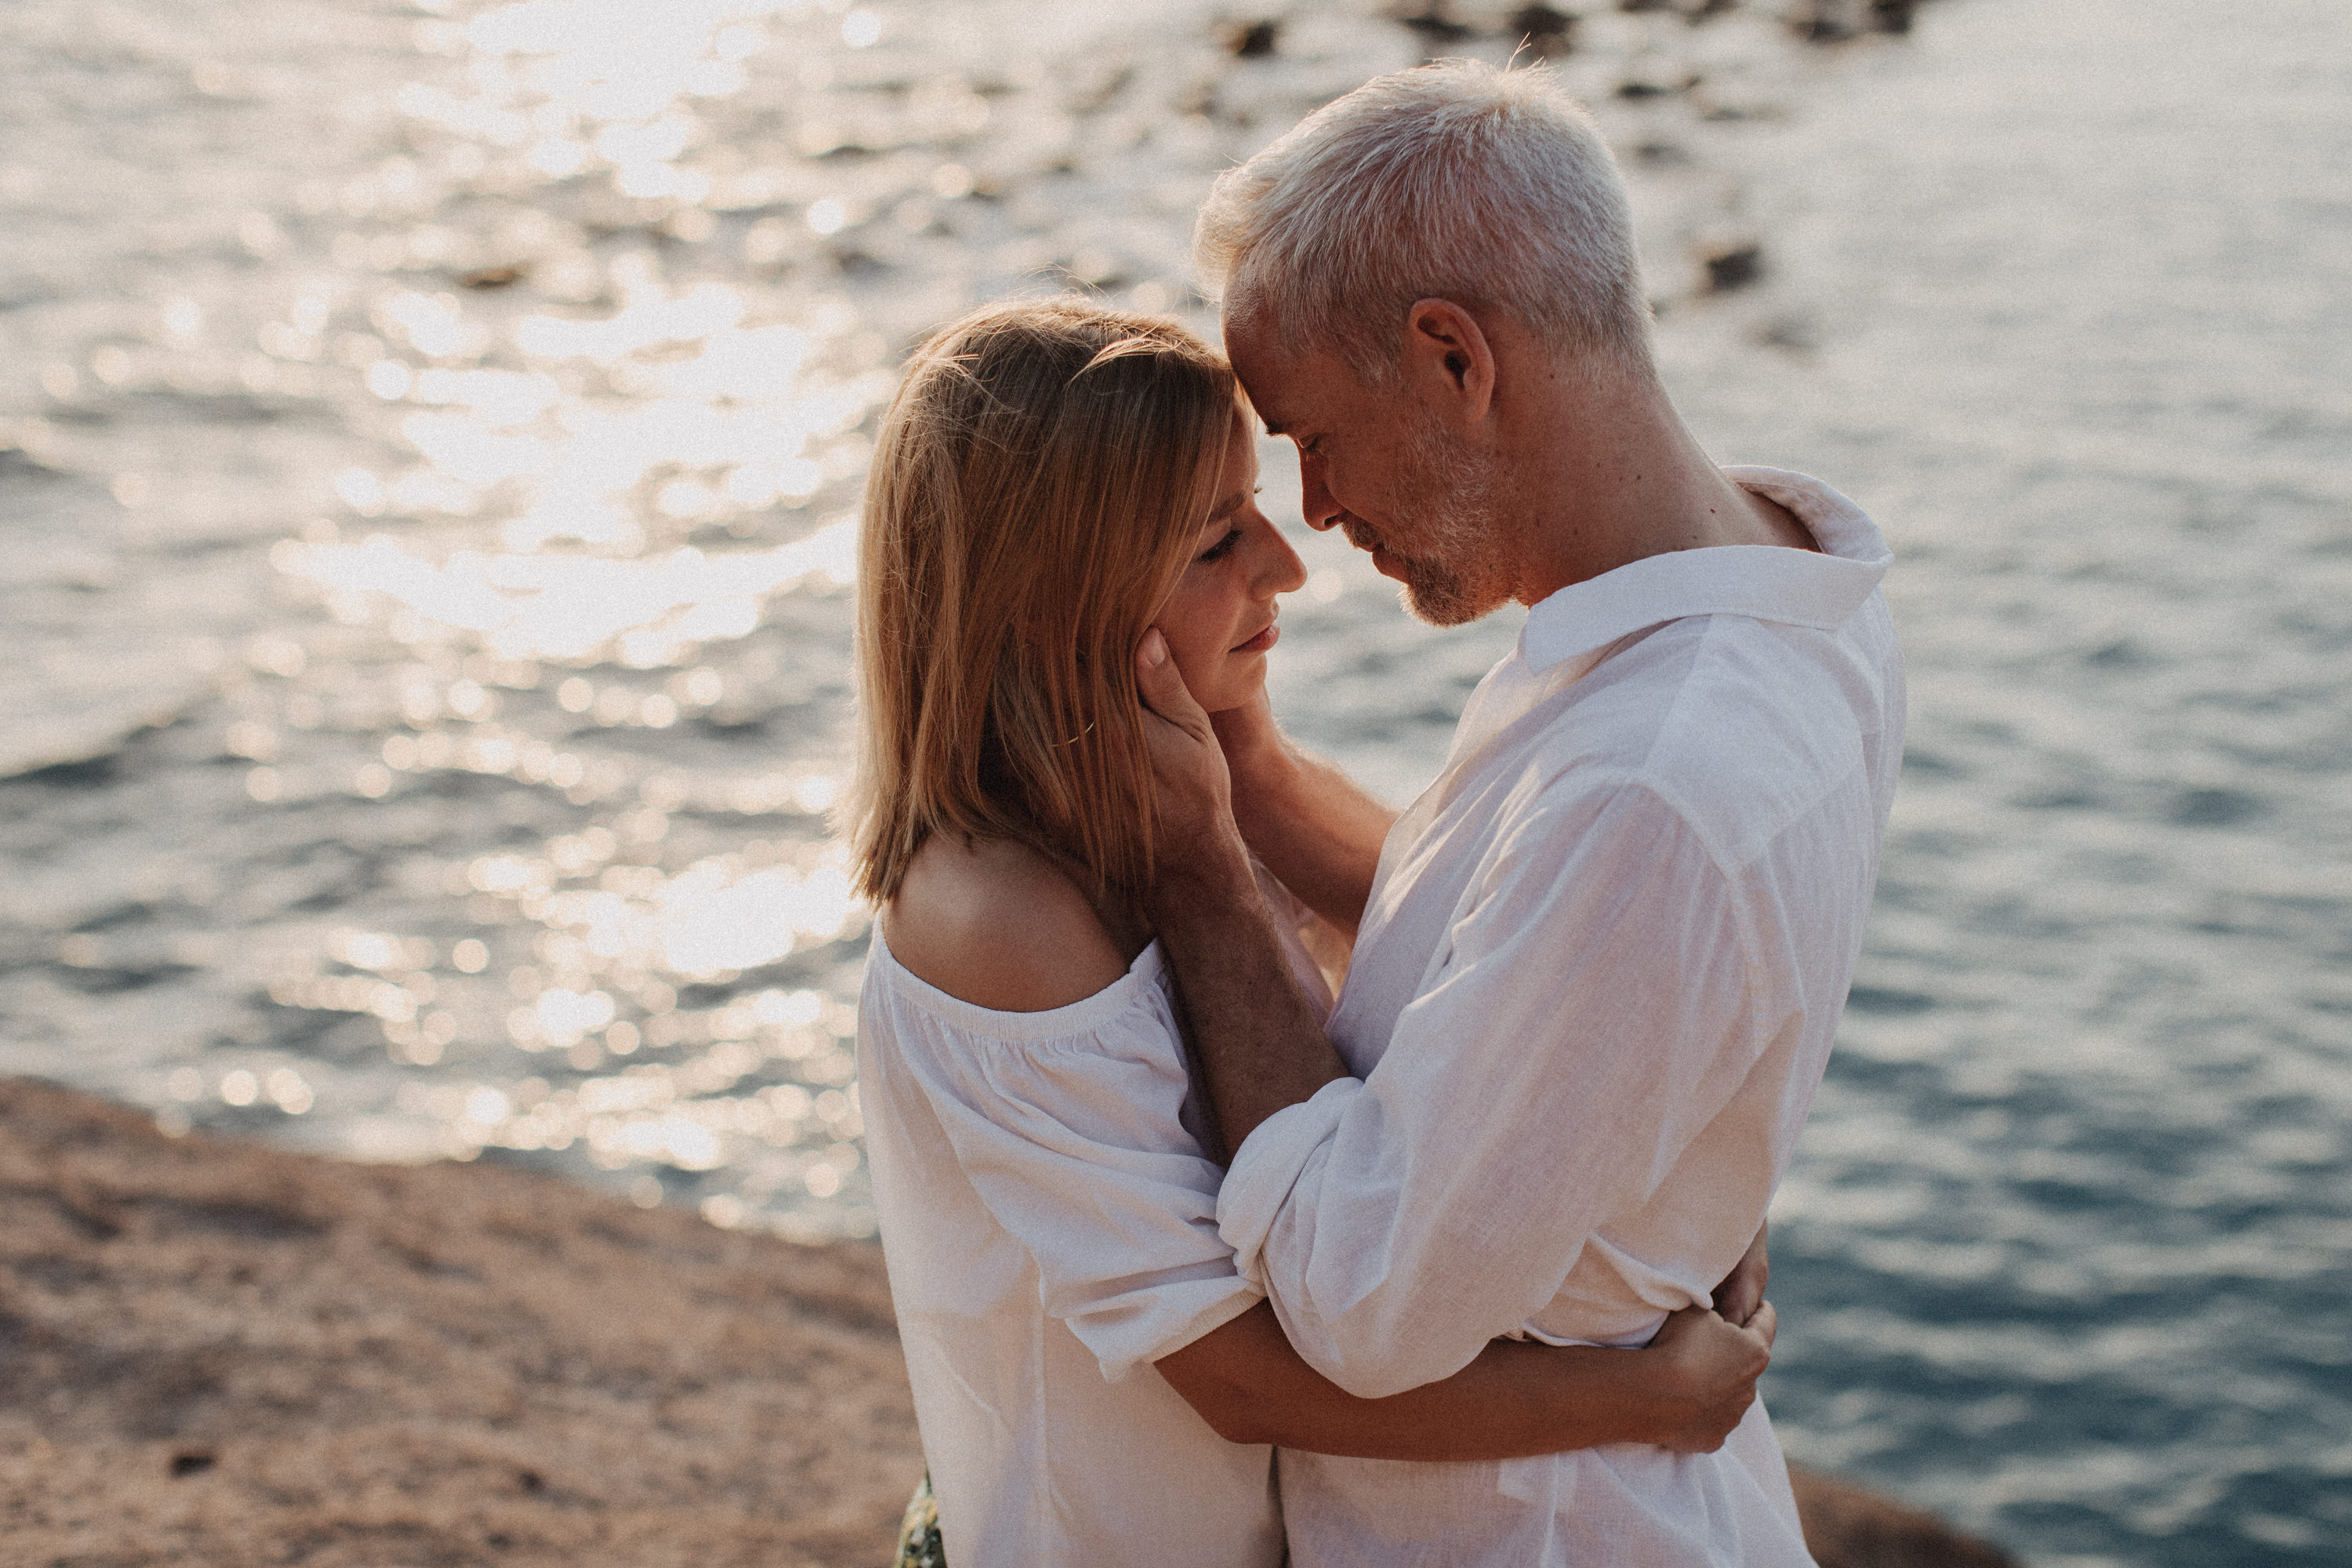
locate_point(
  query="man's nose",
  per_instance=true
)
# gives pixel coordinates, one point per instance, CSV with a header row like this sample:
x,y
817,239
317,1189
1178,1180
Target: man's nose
x,y
1315,502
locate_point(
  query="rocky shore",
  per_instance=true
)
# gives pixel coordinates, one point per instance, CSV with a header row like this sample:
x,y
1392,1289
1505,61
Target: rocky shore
x,y
214,1353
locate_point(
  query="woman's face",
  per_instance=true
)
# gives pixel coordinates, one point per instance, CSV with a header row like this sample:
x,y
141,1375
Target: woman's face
x,y
1219,622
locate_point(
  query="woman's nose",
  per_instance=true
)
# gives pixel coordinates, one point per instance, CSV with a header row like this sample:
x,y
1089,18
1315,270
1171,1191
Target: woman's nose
x,y
1280,571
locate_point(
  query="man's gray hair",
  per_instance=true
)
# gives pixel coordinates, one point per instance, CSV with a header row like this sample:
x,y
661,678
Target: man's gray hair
x,y
1454,181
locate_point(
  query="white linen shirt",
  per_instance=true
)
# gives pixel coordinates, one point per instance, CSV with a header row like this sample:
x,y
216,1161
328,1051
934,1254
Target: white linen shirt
x,y
1050,1226
1591,996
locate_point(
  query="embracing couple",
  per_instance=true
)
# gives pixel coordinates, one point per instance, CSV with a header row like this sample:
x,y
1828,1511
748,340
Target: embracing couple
x,y
1196,1261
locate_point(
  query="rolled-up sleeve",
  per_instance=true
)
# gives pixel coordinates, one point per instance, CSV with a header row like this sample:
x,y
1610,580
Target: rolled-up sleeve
x,y
1074,1146
1593,1007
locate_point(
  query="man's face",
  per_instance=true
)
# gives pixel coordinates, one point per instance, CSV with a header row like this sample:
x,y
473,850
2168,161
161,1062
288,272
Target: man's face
x,y
1376,465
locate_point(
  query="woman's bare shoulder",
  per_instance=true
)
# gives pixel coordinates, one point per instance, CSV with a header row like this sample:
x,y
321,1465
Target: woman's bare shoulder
x,y
997,924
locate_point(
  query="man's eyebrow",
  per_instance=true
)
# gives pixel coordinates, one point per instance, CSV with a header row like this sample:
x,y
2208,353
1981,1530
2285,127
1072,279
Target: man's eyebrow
x,y
1276,427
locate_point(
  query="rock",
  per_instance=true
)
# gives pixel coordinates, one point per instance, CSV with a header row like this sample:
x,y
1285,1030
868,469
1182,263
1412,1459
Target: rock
x,y
1252,41
1834,21
1435,22
1732,264
223,1354
1655,87
1824,21
1846,1527
501,277
1547,34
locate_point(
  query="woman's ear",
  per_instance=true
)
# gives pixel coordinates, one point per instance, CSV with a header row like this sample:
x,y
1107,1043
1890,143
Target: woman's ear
x,y
1448,361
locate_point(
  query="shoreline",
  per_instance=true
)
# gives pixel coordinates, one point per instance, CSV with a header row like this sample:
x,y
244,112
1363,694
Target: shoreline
x,y
220,1351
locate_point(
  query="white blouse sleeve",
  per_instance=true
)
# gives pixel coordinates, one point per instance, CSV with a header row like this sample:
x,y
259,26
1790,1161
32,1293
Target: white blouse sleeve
x,y
1066,1124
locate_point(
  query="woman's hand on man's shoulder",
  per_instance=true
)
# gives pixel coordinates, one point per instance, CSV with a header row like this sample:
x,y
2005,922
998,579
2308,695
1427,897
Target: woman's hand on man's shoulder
x,y
997,924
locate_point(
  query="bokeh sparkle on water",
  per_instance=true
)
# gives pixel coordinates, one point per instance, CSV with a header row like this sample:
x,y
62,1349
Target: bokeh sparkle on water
x,y
430,435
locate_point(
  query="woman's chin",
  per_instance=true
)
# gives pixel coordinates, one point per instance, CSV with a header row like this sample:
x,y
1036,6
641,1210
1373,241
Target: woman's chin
x,y
1236,694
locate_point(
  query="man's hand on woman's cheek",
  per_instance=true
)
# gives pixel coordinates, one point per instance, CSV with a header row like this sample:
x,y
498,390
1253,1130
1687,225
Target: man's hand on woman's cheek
x,y
1190,781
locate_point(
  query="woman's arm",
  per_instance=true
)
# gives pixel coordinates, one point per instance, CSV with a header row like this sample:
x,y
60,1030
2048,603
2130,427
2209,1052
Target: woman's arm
x,y
1685,1391
1312,826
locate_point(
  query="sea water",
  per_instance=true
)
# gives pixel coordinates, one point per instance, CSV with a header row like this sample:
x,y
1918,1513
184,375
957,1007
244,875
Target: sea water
x,y
429,441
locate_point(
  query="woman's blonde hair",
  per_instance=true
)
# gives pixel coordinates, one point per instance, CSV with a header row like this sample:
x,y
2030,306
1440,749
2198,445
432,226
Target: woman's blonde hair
x,y
1038,485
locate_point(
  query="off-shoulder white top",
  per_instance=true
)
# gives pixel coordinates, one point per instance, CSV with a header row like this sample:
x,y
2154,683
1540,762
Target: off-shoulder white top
x,y
1050,1228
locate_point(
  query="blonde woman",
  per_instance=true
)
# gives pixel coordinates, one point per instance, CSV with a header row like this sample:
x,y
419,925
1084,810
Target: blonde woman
x,y
1093,1382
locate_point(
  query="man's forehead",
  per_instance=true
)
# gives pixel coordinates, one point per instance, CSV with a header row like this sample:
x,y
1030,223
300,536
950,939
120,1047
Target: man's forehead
x,y
1281,383
1257,360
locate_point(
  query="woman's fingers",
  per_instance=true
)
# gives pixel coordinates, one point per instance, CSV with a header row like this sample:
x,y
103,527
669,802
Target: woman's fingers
x,y
1719,1364
1714,1359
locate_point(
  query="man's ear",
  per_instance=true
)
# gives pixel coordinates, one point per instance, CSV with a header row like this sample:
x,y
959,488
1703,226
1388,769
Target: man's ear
x,y
1448,359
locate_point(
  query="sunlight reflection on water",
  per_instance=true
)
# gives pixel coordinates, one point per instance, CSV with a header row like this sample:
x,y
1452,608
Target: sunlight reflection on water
x,y
567,469
686,399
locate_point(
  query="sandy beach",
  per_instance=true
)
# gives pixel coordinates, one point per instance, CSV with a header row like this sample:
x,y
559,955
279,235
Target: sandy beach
x,y
220,1353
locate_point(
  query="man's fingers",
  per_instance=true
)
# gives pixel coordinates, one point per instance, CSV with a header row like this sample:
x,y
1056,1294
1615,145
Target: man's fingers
x,y
1736,1300
1743,1288
1766,1322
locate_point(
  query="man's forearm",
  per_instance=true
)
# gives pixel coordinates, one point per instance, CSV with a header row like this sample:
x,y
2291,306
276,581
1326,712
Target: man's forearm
x,y
1260,1047
1312,826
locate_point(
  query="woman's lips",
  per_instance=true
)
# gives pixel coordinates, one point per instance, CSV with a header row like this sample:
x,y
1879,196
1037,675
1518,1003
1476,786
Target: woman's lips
x,y
1263,641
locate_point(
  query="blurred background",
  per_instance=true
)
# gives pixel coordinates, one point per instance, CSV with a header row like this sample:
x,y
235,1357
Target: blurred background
x,y
430,436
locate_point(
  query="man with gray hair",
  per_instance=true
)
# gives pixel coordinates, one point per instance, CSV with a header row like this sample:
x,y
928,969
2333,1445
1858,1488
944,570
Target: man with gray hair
x,y
1599,962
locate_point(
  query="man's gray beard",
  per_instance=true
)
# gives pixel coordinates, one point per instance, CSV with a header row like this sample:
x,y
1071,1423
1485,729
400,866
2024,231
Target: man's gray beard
x,y
1454,575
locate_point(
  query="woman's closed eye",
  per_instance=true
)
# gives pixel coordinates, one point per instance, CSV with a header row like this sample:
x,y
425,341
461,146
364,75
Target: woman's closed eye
x,y
1224,544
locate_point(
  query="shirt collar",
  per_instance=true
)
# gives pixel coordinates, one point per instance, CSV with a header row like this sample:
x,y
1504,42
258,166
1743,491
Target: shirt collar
x,y
1763,581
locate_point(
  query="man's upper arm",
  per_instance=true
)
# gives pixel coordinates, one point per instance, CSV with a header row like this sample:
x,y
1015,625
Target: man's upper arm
x,y
1569,1043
